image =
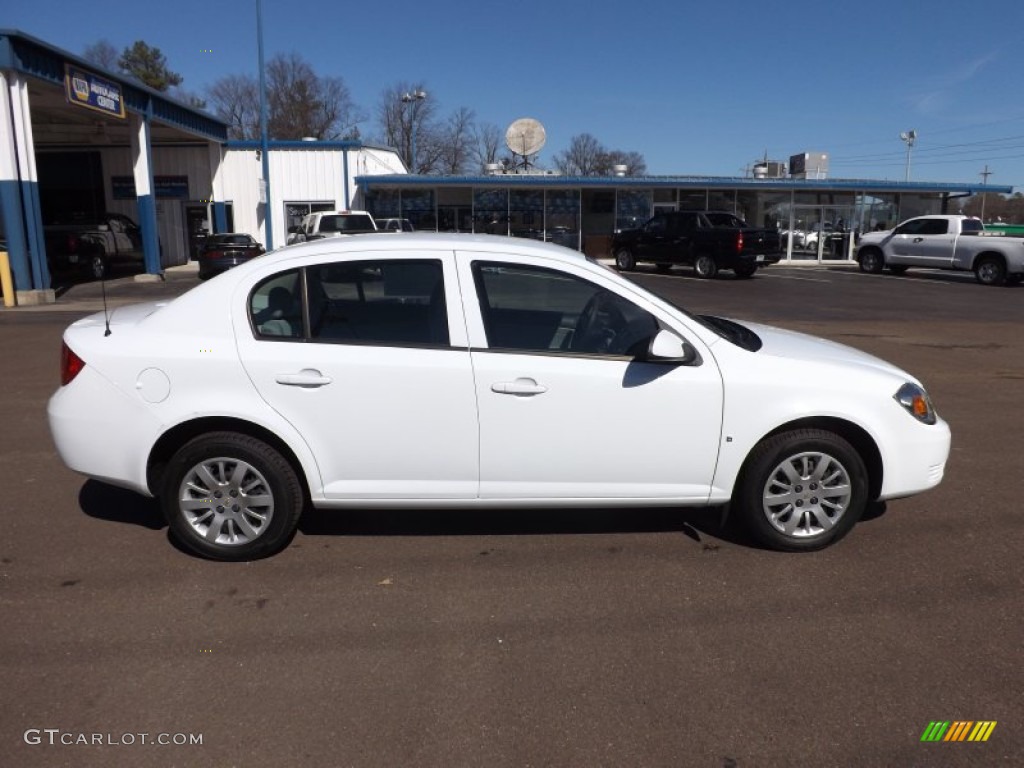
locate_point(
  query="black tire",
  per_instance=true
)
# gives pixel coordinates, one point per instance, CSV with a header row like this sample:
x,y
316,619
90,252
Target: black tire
x,y
990,270
820,508
705,266
871,261
624,260
745,270
220,467
899,269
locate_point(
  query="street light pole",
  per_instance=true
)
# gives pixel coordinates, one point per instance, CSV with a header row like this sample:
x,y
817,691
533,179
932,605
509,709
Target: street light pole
x,y
412,98
984,183
909,137
264,143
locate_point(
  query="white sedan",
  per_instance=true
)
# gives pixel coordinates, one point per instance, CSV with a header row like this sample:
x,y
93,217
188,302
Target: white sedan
x,y
442,371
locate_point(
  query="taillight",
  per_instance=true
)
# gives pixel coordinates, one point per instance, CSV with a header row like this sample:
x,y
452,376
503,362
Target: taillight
x,y
72,244
739,242
215,254
70,365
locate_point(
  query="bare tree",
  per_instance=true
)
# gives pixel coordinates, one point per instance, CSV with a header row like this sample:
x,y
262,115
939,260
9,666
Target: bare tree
x,y
586,156
399,118
455,153
582,158
236,100
486,145
301,103
103,54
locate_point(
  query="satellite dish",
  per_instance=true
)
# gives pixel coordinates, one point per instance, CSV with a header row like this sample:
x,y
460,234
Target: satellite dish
x,y
525,137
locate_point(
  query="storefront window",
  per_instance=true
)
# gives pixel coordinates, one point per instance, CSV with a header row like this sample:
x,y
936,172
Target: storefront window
x,y
526,213
490,211
562,217
632,208
418,207
294,211
693,201
384,203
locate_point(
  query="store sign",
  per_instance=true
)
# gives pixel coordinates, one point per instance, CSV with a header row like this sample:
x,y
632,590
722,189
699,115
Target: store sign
x,y
167,187
92,91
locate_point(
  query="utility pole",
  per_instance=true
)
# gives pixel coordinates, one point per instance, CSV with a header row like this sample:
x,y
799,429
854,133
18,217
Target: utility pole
x,y
984,183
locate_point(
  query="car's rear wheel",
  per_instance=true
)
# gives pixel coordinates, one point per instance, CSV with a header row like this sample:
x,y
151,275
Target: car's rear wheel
x,y
802,490
871,261
625,260
705,266
745,270
228,496
990,270
97,265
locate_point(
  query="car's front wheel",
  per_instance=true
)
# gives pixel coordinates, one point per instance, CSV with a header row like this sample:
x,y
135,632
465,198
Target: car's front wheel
x,y
228,496
871,261
802,490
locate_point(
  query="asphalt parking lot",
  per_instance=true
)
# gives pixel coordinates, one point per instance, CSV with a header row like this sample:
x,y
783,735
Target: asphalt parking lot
x,y
569,638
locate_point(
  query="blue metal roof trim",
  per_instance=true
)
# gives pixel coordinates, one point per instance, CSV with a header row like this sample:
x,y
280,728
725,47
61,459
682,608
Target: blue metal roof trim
x,y
24,53
703,182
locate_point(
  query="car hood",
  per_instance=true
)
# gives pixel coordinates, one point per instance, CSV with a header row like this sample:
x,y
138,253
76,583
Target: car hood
x,y
778,342
874,237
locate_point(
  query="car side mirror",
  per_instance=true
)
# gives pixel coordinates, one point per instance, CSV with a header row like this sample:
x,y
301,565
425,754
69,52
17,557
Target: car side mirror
x,y
668,347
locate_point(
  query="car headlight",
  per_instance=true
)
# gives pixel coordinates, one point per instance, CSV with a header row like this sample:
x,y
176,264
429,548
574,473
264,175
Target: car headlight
x,y
917,403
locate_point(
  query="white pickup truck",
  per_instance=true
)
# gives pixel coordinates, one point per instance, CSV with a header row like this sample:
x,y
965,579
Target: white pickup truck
x,y
944,242
315,226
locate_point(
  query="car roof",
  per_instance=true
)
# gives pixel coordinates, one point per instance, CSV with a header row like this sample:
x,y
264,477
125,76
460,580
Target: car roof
x,y
434,241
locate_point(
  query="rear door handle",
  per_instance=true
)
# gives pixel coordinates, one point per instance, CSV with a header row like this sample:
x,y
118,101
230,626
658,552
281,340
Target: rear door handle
x,y
307,377
521,386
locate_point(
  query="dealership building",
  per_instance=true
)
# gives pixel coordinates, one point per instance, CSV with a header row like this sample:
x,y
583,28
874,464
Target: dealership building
x,y
77,141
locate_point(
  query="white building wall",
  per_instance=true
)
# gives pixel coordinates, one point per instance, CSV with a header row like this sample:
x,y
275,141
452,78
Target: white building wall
x,y
297,175
193,162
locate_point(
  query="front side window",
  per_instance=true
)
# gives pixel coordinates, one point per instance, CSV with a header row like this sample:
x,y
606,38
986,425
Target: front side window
x,y
534,309
378,302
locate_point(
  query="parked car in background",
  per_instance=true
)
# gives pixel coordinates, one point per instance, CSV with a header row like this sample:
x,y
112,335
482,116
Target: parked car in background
x,y
94,246
223,251
437,371
708,240
944,242
395,225
332,224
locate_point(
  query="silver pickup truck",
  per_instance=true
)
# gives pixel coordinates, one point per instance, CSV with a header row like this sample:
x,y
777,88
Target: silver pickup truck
x,y
944,242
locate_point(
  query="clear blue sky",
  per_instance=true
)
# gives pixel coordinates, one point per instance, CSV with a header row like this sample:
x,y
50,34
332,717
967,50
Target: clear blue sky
x,y
696,87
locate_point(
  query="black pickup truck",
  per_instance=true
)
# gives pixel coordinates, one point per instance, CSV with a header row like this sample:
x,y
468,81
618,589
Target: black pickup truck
x,y
706,240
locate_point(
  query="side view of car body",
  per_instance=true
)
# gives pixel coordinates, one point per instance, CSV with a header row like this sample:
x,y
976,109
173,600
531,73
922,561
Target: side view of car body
x,y
441,371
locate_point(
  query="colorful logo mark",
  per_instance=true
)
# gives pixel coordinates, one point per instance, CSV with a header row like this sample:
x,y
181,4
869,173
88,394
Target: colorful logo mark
x,y
958,730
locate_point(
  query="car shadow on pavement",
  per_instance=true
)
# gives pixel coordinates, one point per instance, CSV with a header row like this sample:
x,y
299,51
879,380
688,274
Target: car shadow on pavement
x,y
118,505
703,525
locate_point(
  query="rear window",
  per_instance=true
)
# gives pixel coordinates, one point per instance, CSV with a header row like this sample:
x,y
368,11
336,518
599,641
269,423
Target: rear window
x,y
972,226
725,221
347,222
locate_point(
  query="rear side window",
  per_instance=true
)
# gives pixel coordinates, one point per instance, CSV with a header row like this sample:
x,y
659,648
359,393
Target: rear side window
x,y
275,307
400,302
972,226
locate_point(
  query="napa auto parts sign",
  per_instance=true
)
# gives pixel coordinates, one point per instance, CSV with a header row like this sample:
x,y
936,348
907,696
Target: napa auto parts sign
x,y
92,91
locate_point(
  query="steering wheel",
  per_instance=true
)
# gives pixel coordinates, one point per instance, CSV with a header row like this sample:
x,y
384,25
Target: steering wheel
x,y
599,323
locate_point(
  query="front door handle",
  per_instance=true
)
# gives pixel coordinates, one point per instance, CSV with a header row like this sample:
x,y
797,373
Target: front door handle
x,y
521,386
307,377
918,239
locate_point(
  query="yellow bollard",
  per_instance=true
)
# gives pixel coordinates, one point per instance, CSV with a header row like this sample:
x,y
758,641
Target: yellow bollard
x,y
5,279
